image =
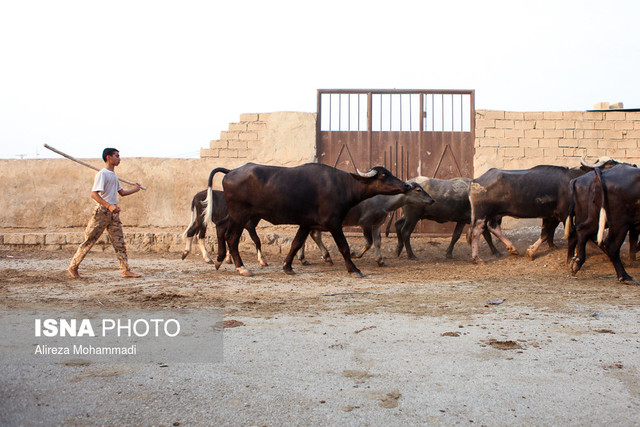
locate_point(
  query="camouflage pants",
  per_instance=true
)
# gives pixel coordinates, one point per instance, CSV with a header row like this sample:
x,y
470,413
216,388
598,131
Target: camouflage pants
x,y
102,218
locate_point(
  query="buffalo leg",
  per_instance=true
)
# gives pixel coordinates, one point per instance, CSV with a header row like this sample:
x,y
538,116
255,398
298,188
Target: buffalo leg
x,y
496,229
367,232
221,231
187,247
478,228
454,238
298,242
343,247
251,228
633,243
301,257
326,256
399,225
234,231
202,234
189,234
404,236
611,247
489,240
549,226
583,232
205,253
572,239
377,243
317,238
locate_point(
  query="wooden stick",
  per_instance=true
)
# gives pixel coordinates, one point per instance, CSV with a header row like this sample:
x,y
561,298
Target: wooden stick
x,y
87,164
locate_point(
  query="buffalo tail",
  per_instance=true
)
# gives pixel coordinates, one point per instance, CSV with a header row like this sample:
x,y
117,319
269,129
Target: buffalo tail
x,y
208,212
568,224
602,221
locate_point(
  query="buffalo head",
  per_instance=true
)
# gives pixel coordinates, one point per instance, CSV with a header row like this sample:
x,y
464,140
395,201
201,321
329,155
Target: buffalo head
x,y
603,163
381,181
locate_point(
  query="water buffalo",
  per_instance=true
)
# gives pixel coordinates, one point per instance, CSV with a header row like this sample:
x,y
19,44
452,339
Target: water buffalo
x,y
539,192
218,212
608,198
313,196
452,205
370,214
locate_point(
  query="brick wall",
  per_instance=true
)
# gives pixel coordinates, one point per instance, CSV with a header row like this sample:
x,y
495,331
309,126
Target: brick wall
x,y
518,140
239,140
282,138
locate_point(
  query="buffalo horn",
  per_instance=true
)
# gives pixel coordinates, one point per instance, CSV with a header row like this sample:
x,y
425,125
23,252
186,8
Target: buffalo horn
x,y
599,163
369,174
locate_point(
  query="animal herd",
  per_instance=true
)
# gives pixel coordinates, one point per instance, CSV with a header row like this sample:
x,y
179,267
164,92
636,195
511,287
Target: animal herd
x,y
319,198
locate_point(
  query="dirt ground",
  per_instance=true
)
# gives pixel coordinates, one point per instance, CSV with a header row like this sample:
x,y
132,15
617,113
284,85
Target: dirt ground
x,y
411,343
446,287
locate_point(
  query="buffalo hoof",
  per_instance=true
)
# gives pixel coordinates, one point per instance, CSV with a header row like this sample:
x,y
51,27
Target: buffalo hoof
x,y
629,281
478,261
356,256
261,260
184,254
398,251
531,254
411,256
304,261
244,272
328,260
574,266
513,251
449,255
289,271
356,274
217,264
380,262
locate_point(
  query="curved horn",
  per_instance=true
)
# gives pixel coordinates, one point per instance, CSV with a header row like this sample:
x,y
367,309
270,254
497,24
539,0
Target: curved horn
x,y
595,165
369,174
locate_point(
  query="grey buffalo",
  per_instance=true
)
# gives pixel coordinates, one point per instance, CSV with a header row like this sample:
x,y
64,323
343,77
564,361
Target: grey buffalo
x,y
452,205
370,214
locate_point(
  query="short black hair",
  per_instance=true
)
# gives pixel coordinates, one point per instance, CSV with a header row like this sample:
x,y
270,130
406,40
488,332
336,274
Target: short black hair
x,y
109,152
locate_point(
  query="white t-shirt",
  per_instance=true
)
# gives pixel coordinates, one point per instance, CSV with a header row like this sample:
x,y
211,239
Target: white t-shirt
x,y
108,185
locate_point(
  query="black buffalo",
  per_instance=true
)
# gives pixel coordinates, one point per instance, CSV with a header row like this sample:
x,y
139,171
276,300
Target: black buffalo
x,y
605,199
539,192
452,205
313,196
218,213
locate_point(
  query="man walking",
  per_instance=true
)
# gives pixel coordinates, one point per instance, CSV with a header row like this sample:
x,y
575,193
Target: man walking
x,y
106,188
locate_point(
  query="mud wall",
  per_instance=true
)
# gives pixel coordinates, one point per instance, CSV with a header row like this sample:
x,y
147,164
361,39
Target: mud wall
x,y
54,193
520,140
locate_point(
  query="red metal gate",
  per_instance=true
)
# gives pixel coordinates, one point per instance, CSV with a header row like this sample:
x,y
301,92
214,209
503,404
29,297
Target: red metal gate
x,y
410,132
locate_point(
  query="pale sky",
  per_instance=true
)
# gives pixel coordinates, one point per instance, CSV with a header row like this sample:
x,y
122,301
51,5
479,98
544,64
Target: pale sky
x,y
163,78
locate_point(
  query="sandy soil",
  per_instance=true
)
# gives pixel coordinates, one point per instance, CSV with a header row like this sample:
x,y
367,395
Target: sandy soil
x,y
411,343
432,285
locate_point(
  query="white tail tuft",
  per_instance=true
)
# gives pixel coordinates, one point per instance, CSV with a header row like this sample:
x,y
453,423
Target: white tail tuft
x,y
208,203
602,222
567,225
